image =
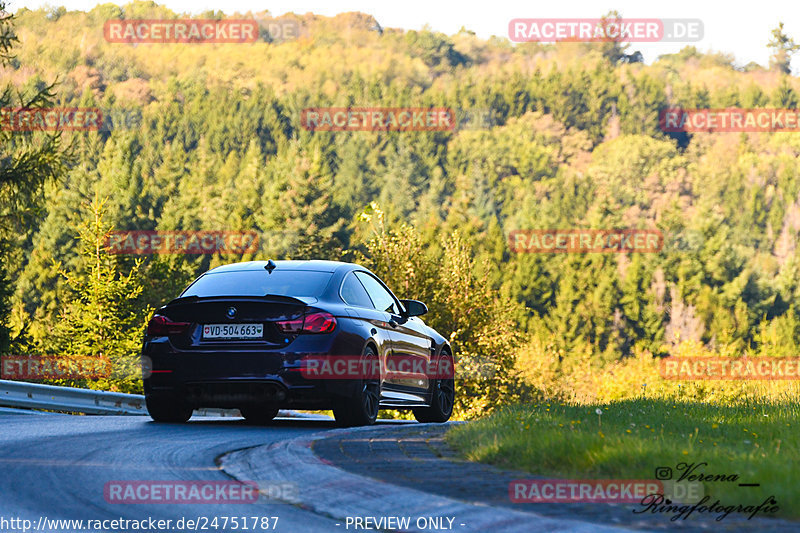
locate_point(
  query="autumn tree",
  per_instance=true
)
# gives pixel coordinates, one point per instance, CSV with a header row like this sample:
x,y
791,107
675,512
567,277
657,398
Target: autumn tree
x,y
783,47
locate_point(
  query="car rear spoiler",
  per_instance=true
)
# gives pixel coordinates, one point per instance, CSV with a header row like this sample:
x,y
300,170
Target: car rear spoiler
x,y
272,298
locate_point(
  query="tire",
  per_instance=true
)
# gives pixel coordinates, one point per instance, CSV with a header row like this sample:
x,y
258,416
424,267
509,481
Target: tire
x,y
443,396
168,409
361,409
259,415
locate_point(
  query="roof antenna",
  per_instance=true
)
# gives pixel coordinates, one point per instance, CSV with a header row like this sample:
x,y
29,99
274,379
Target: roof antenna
x,y
270,266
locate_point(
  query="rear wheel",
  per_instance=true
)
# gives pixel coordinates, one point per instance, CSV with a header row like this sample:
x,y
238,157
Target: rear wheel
x,y
168,408
259,415
443,395
361,409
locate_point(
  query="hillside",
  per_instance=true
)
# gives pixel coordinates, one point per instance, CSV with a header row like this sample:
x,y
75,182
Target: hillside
x,y
209,137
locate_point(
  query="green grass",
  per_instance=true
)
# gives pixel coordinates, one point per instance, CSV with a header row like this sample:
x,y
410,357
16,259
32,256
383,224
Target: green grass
x,y
758,441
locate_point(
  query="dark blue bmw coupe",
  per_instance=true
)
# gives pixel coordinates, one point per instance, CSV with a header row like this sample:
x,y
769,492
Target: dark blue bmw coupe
x,y
264,335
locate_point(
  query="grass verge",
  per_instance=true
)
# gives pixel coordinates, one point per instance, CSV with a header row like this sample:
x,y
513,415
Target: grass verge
x,y
758,441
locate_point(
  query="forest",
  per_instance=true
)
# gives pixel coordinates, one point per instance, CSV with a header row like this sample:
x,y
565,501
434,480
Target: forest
x,y
210,137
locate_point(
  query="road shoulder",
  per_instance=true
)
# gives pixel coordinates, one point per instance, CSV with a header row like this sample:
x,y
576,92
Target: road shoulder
x,y
330,488
417,457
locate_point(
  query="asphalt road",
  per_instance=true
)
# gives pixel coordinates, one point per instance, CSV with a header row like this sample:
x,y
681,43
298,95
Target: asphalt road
x,y
56,467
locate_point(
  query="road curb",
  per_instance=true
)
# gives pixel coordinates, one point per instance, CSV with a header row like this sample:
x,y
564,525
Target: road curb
x,y
330,491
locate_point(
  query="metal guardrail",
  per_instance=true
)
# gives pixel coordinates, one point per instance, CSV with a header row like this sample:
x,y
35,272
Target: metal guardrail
x,y
91,402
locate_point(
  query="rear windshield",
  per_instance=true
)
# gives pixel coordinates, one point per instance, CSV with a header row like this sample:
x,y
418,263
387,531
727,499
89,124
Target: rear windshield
x,y
260,283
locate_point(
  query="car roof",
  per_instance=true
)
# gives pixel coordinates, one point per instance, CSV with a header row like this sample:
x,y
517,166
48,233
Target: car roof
x,y
315,264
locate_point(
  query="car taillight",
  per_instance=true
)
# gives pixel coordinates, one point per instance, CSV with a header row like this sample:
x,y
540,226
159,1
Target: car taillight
x,y
319,322
160,326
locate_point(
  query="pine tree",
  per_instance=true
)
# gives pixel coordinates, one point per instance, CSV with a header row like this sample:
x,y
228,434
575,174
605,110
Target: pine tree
x,y
298,208
101,316
28,160
784,96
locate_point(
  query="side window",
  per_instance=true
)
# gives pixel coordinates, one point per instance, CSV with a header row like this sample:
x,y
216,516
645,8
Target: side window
x,y
382,298
353,292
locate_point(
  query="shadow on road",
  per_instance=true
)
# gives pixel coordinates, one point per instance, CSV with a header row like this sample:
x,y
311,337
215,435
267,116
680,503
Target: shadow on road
x,y
279,422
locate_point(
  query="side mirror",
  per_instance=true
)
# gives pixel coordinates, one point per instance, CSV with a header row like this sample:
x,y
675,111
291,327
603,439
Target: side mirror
x,y
414,307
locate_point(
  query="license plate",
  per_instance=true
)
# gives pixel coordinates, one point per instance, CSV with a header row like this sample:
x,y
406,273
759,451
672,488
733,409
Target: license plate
x,y
233,331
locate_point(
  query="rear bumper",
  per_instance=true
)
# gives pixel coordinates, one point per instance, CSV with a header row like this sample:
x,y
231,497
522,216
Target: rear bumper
x,y
236,392
238,378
